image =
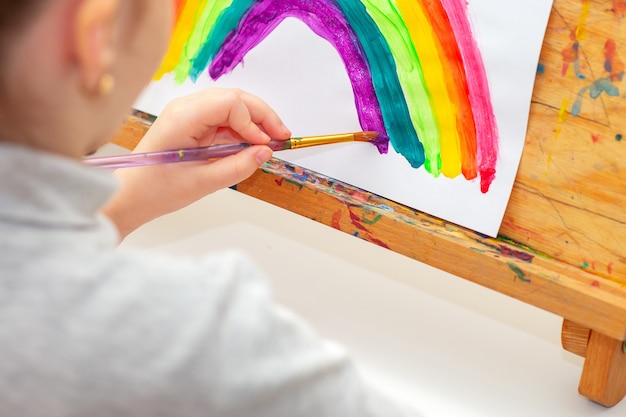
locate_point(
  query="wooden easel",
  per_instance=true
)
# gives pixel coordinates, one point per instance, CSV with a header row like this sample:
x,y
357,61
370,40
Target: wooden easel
x,y
562,245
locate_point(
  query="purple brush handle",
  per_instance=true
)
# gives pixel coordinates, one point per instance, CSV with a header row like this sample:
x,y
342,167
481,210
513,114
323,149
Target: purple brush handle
x,y
181,155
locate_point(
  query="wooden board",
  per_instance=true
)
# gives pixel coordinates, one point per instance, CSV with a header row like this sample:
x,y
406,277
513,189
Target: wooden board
x,y
569,200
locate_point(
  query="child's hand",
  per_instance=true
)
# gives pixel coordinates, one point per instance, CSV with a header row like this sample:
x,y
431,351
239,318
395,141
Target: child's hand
x,y
211,116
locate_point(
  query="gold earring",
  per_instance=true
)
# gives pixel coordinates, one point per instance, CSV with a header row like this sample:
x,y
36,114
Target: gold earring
x,y
105,85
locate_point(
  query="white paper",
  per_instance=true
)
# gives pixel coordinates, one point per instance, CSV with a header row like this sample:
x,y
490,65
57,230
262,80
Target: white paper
x,y
303,78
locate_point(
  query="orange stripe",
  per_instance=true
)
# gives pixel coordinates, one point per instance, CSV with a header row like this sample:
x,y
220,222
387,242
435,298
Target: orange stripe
x,y
456,80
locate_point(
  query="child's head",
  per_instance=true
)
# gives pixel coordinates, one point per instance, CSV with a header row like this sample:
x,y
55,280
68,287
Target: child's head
x,y
71,69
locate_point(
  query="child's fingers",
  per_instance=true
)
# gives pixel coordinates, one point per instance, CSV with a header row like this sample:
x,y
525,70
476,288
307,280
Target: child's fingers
x,y
229,171
262,114
253,119
245,114
223,114
239,119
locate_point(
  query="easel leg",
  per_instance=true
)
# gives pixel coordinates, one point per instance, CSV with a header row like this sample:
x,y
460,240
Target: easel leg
x,y
603,377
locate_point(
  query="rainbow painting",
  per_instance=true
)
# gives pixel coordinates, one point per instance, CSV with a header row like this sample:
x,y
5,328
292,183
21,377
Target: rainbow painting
x,y
414,65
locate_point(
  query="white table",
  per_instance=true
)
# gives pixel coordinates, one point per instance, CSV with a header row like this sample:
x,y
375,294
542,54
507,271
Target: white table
x,y
417,332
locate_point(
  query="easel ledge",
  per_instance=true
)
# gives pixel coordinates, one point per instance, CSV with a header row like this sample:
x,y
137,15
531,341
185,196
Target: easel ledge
x,y
561,246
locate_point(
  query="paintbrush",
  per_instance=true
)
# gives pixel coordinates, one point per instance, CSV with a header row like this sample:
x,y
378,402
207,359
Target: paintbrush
x,y
220,151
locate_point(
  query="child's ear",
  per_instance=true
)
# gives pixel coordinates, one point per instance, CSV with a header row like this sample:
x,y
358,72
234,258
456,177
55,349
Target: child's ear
x,y
93,42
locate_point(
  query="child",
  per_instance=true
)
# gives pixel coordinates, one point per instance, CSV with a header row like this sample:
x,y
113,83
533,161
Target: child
x,y
88,330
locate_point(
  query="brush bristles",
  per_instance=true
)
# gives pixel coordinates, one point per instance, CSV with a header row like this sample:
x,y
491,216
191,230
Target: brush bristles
x,y
365,136
381,141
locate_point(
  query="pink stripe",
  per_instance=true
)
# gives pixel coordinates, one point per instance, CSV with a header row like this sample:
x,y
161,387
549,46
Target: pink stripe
x,y
486,126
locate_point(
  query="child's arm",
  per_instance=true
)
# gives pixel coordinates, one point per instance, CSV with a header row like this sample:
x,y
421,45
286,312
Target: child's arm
x,y
197,120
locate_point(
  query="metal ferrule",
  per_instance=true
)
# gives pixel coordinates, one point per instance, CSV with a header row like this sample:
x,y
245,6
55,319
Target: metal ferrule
x,y
320,140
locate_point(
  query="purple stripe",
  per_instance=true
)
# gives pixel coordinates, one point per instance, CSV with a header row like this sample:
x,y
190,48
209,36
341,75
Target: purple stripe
x,y
326,20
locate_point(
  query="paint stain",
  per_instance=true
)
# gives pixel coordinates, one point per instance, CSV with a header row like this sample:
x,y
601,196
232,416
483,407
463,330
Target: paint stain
x,y
363,231
595,138
619,137
356,221
595,284
612,62
562,115
378,242
581,29
619,8
548,163
541,69
279,181
372,219
518,272
336,219
511,253
570,57
614,68
303,177
294,182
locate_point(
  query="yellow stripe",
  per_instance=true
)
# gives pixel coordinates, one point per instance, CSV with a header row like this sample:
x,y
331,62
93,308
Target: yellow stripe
x,y
426,44
184,27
